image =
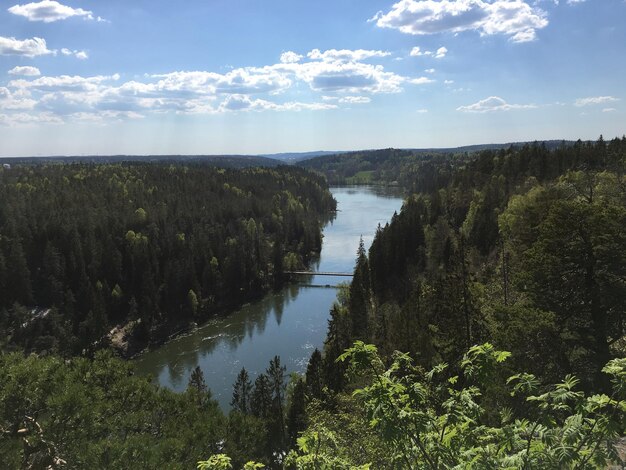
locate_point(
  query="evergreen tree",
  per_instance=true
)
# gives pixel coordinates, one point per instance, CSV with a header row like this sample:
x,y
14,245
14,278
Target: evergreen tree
x,y
242,391
313,376
261,399
360,295
296,414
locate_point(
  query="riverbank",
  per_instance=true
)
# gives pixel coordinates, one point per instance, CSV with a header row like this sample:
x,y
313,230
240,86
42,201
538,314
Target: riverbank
x,y
291,322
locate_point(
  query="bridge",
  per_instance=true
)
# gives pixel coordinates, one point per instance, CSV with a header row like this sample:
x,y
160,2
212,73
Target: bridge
x,y
317,273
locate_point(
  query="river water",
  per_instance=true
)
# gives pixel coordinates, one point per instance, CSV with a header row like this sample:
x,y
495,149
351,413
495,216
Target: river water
x,y
290,323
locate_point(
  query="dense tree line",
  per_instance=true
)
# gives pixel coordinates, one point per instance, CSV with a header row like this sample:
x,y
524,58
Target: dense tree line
x,y
151,247
523,247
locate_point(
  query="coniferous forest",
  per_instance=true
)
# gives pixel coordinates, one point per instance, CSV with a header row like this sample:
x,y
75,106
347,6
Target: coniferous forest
x,y
146,248
484,328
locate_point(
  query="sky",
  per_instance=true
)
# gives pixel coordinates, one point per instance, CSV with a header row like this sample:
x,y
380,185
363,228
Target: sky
x,y
86,77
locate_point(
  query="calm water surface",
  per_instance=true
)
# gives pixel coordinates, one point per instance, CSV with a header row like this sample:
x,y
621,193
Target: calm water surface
x,y
290,323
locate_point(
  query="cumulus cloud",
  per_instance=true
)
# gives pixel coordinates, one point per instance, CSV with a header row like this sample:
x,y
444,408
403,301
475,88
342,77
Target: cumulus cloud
x,y
333,55
26,71
594,100
348,77
438,54
491,104
14,101
421,80
514,18
355,99
441,52
17,119
290,57
49,11
245,103
82,55
24,47
339,77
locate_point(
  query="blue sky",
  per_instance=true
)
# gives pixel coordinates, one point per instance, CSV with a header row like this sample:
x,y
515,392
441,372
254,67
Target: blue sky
x,y
240,76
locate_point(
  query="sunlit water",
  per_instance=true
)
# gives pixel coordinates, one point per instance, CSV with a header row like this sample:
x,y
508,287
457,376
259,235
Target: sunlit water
x,y
290,323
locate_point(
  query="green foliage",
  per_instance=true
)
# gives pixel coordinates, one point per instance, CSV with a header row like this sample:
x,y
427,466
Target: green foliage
x,y
319,450
223,462
97,414
434,422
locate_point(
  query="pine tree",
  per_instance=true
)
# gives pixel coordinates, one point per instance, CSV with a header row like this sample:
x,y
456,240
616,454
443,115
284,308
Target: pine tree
x,y
314,375
360,295
296,415
242,393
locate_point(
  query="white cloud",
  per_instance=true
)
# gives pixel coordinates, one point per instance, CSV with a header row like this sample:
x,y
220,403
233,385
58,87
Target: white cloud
x,y
594,100
14,101
421,80
491,104
429,70
245,103
26,71
49,11
333,55
448,82
24,47
422,111
339,77
609,110
438,54
514,18
348,77
63,83
290,57
17,119
82,55
355,99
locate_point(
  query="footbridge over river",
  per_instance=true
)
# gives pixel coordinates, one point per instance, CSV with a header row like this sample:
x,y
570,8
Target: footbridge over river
x,y
317,273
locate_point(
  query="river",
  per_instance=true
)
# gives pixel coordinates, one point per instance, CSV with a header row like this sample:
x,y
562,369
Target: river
x,y
290,323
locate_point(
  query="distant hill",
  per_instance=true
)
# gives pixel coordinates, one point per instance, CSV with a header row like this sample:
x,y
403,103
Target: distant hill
x,y
550,144
402,166
226,161
270,159
294,157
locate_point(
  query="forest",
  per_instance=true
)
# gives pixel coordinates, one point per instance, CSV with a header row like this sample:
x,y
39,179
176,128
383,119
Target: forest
x,y
144,250
484,328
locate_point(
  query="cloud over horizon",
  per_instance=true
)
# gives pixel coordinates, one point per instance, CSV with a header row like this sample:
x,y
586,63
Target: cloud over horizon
x,y
492,104
592,100
343,74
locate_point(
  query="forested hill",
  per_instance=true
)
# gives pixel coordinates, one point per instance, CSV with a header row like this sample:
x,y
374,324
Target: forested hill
x,y
521,247
409,168
519,250
148,247
222,161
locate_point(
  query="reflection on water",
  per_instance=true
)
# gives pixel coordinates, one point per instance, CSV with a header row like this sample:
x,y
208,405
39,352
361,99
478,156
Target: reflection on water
x,y
290,323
